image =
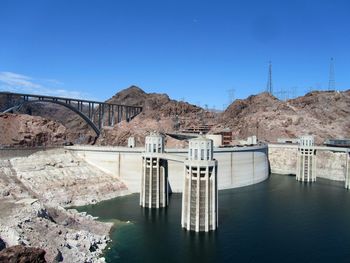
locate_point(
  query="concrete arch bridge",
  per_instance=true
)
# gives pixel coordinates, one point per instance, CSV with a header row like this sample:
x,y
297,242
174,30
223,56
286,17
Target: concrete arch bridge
x,y
95,114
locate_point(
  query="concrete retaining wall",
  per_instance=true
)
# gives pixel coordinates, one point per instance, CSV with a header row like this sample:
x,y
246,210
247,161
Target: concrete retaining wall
x,y
236,166
329,164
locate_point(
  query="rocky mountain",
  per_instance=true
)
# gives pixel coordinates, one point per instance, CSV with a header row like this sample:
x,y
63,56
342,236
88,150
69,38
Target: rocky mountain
x,y
154,105
160,113
326,114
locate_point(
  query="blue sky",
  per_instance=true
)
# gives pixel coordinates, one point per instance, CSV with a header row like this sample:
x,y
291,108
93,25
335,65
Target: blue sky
x,y
196,50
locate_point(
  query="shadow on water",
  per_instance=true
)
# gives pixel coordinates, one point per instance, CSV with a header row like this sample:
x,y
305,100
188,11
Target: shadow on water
x,y
279,220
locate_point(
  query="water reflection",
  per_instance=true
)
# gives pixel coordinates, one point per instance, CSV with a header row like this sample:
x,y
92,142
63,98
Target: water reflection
x,y
154,214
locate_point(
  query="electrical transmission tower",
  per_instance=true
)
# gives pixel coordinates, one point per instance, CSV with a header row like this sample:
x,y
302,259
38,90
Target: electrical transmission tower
x,y
331,83
269,88
231,95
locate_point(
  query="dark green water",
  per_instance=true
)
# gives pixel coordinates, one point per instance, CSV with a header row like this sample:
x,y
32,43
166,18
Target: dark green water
x,y
279,220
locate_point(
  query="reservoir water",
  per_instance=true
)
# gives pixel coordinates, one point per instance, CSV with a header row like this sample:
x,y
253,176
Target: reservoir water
x,y
279,220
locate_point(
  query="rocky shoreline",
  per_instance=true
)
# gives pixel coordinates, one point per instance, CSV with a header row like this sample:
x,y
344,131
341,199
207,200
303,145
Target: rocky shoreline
x,y
34,192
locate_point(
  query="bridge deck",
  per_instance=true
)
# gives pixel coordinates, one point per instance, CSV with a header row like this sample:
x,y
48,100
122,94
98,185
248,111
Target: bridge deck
x,y
62,99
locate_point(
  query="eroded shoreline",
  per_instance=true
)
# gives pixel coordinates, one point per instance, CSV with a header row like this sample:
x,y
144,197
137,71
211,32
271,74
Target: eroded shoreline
x,y
35,193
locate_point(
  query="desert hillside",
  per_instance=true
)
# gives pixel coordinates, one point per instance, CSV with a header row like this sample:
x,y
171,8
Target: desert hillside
x,y
326,114
322,113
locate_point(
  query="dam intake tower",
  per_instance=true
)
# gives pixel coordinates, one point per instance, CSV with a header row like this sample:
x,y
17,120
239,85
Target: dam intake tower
x,y
154,181
306,161
200,191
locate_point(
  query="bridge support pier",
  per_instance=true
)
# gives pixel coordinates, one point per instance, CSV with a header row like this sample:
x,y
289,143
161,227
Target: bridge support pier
x,y
154,181
306,161
199,197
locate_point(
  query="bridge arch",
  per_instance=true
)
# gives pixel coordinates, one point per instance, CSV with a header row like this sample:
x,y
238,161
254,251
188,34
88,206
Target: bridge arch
x,y
75,110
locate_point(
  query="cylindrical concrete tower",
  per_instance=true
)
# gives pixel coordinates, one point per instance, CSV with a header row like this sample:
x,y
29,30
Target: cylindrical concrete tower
x,y
154,182
306,161
199,197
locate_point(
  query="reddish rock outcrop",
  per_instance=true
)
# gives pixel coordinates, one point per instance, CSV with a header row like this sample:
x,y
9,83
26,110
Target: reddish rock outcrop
x,y
22,254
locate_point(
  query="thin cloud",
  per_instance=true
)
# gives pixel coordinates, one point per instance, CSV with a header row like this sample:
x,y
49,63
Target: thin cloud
x,y
15,82
52,82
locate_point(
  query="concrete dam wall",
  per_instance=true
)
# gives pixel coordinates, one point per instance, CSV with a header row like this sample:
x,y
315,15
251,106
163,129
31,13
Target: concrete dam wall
x,y
239,166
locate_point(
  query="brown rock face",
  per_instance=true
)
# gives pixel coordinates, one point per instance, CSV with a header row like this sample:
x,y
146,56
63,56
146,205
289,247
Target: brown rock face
x,y
29,131
21,254
326,114
78,131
